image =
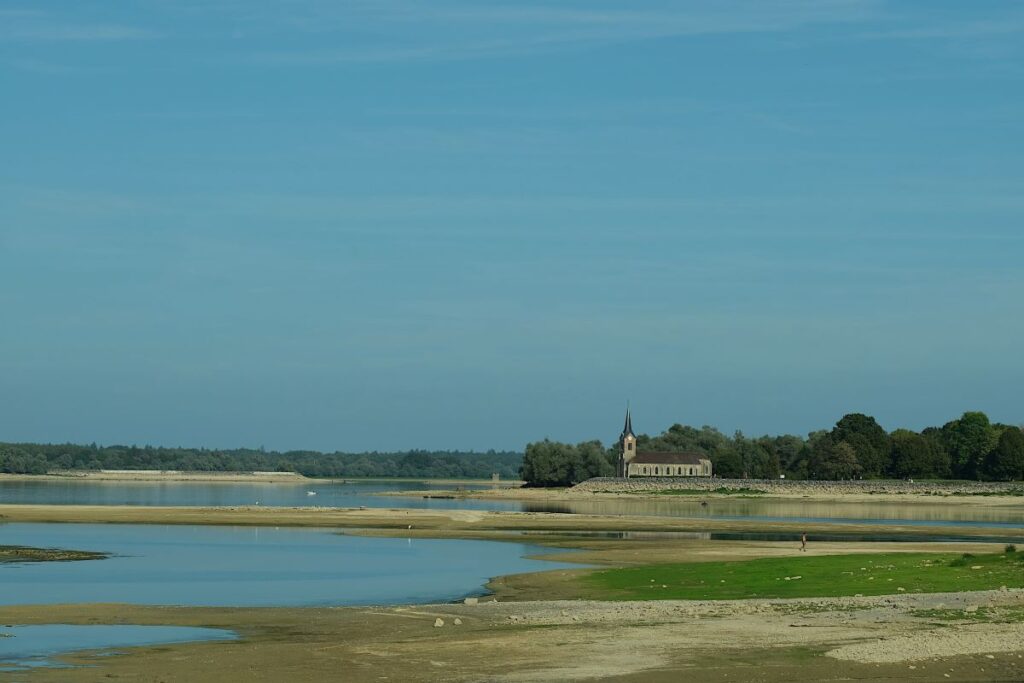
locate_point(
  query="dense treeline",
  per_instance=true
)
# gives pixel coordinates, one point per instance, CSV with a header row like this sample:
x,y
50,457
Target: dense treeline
x,y
30,458
970,447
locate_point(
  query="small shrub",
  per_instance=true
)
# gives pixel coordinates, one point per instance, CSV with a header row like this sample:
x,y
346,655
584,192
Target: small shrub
x,y
1011,549
962,561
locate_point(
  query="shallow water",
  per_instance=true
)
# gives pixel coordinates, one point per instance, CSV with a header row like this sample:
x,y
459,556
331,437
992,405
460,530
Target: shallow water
x,y
23,647
232,566
363,493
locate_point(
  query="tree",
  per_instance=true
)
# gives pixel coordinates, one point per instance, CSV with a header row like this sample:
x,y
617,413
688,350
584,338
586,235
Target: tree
x,y
915,455
1005,462
549,463
867,438
969,441
833,461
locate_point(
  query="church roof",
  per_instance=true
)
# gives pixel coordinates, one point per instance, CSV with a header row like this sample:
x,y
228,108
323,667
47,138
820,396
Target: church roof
x,y
669,458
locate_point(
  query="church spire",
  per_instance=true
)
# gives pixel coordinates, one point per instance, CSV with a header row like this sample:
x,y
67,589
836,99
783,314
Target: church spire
x,y
628,428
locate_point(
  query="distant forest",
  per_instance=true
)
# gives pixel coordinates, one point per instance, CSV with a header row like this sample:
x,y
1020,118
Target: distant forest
x,y
857,447
970,447
31,458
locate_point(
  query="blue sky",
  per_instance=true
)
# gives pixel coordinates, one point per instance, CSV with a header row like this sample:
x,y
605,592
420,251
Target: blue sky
x,y
455,224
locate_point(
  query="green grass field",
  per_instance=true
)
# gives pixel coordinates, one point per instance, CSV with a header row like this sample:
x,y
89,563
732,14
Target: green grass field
x,y
806,576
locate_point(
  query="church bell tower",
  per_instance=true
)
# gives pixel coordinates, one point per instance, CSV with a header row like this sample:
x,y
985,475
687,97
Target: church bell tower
x,y
627,447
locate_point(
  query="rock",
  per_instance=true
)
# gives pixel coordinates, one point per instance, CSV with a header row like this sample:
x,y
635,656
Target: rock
x,y
457,622
439,622
470,601
971,609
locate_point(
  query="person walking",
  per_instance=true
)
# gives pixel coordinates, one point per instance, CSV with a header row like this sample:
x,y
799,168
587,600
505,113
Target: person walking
x,y
803,542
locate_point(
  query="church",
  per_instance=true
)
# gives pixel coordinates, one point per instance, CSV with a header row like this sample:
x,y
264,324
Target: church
x,y
634,463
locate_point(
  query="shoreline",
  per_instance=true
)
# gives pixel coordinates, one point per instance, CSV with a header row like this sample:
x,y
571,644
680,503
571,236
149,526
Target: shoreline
x,y
459,521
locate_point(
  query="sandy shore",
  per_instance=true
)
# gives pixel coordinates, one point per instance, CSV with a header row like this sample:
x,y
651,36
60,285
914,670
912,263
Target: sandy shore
x,y
867,639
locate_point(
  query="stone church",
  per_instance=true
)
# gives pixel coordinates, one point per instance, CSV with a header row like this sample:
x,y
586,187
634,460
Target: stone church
x,y
634,463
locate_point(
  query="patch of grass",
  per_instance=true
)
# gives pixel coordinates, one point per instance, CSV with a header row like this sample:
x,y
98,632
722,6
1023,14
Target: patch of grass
x,y
805,576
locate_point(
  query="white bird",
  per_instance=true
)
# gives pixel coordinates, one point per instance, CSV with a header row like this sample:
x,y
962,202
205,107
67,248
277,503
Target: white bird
x,y
310,493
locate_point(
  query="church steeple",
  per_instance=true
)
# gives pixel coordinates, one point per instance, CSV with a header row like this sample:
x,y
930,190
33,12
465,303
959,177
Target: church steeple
x,y
627,446
628,428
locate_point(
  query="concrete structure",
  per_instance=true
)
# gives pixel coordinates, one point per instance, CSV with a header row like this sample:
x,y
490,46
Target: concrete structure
x,y
635,463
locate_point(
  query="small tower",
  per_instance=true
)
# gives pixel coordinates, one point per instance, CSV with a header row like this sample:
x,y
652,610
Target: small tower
x,y
627,447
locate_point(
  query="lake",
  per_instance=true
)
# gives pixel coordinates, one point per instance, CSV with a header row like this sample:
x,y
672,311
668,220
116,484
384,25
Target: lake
x,y
252,566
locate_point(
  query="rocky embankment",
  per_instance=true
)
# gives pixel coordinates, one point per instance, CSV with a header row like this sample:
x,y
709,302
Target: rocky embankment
x,y
784,487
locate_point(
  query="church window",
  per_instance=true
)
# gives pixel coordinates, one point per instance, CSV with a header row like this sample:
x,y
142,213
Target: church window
x,y
655,470
629,446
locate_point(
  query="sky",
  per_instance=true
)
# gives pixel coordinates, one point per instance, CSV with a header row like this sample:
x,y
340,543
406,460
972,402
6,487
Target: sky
x,y
458,224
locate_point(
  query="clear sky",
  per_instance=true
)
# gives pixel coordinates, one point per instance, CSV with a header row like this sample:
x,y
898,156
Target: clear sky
x,y
463,224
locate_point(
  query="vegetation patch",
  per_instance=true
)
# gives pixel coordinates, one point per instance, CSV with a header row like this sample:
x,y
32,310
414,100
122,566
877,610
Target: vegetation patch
x,y
811,577
21,553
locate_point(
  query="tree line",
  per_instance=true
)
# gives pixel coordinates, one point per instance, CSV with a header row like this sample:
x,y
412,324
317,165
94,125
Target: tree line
x,y
32,458
857,447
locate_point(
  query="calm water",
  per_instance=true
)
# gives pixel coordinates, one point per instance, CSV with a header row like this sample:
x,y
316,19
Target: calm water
x,y
355,494
226,494
32,646
231,566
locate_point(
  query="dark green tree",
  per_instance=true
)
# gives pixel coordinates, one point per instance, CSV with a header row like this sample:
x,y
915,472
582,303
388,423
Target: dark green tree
x,y
867,438
1005,462
915,455
969,440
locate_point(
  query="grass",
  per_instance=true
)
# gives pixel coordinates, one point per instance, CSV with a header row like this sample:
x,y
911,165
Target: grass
x,y
811,576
